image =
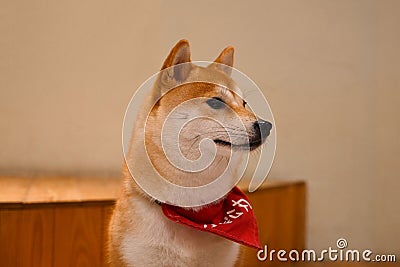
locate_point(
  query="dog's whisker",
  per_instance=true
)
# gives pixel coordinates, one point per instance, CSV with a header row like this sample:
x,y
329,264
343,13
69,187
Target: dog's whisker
x,y
178,118
248,92
227,128
219,134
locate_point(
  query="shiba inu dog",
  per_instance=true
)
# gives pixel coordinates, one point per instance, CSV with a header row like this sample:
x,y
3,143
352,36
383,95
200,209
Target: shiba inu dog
x,y
182,111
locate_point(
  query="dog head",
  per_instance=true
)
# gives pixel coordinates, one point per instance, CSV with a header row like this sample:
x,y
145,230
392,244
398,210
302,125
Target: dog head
x,y
220,111
195,103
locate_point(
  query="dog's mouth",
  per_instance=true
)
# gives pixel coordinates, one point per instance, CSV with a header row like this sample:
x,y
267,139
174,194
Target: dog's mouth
x,y
253,144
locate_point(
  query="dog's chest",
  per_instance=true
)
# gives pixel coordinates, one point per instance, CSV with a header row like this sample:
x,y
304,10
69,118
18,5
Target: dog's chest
x,y
161,242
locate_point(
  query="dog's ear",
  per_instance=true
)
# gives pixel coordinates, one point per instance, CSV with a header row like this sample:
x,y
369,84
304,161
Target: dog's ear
x,y
179,54
225,58
173,71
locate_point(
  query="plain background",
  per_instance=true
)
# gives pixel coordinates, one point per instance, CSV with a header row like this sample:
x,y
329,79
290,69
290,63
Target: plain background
x,y
329,69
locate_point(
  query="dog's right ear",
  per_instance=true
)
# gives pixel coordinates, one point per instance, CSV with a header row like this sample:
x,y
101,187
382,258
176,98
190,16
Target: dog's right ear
x,y
173,71
179,54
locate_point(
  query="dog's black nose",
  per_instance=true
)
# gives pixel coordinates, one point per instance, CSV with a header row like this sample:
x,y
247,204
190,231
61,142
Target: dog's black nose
x,y
262,127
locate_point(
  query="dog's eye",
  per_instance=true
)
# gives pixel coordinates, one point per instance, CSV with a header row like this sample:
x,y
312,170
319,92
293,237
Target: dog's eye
x,y
244,103
215,103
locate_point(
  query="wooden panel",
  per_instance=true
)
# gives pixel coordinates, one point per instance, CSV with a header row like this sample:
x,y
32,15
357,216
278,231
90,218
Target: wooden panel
x,y
26,236
78,236
73,232
280,214
107,212
28,190
13,189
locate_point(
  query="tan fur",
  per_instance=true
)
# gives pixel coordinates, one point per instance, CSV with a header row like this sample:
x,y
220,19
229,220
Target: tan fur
x,y
139,233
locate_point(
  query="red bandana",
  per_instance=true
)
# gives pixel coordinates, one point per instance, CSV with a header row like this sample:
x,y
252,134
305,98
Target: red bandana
x,y
232,218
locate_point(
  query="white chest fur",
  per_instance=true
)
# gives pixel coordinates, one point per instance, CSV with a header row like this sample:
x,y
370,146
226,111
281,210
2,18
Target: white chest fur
x,y
157,241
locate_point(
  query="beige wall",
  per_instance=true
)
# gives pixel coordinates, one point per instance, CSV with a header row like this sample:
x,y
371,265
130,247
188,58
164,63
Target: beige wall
x,y
330,70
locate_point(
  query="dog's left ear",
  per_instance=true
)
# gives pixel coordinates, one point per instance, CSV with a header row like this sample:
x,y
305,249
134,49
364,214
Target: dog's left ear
x,y
225,58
